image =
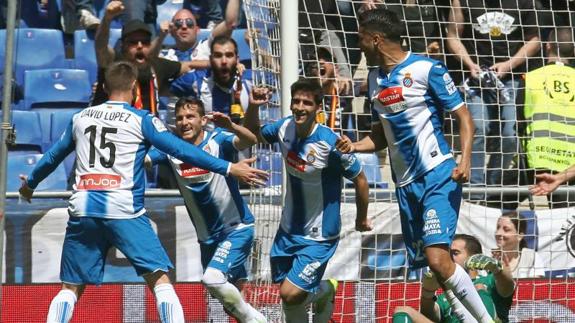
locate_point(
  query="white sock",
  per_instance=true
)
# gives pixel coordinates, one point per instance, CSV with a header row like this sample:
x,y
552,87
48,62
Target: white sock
x,y
295,313
168,304
228,294
462,287
62,307
458,309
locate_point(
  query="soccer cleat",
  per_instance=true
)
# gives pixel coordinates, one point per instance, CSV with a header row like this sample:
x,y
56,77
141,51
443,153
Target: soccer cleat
x,y
483,262
324,305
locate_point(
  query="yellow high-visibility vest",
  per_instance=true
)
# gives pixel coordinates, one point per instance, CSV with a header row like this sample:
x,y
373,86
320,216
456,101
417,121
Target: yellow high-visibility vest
x,y
550,111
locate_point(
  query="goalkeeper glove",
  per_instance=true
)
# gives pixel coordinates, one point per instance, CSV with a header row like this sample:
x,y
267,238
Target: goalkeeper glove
x,y
483,262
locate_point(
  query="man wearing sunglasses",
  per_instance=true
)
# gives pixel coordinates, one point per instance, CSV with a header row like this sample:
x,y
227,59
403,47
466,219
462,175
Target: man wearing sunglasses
x,y
154,74
184,29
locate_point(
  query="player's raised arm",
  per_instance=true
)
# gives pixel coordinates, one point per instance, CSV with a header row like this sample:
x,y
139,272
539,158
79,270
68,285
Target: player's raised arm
x,y
258,96
244,138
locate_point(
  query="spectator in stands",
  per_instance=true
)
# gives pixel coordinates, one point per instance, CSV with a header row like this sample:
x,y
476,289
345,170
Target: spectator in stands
x,y
336,112
211,10
315,30
184,28
512,248
496,289
310,223
422,24
545,103
223,222
86,15
493,41
155,74
222,87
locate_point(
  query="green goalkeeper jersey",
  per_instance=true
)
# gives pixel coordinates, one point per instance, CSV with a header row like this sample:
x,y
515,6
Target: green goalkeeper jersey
x,y
497,305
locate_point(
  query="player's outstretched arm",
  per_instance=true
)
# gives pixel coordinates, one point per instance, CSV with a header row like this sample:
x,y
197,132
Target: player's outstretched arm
x,y
548,183
155,131
244,138
466,130
375,141
50,161
362,223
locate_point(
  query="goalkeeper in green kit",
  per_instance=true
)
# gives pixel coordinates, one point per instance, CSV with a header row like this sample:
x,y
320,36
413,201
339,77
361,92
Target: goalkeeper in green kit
x,y
495,289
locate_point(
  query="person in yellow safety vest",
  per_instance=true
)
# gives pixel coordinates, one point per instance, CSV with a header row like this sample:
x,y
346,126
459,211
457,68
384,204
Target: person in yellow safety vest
x,y
547,119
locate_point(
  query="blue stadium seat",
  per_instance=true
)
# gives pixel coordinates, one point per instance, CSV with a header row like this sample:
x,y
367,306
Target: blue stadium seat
x,y
38,49
85,54
272,162
2,50
24,163
60,88
59,120
244,51
28,131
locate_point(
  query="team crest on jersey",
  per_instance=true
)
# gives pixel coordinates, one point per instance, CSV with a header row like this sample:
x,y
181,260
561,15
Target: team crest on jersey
x,y
311,156
407,80
392,99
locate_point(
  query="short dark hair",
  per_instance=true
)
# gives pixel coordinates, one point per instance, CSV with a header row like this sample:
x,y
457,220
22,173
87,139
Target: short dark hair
x,y
190,100
222,40
561,42
472,244
308,85
120,76
519,224
382,21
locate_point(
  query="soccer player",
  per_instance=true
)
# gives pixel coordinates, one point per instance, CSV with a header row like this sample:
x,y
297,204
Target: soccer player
x,y
310,223
107,205
408,94
223,221
496,289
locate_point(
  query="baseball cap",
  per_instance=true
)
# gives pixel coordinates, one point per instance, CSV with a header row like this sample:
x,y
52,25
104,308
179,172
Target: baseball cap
x,y
135,25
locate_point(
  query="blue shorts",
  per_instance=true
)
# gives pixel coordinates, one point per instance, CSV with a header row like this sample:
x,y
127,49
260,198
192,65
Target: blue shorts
x,y
429,209
301,261
88,240
229,256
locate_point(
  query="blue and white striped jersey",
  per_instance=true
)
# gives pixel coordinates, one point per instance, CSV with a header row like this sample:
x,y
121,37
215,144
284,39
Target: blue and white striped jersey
x,y
213,201
314,182
111,141
409,102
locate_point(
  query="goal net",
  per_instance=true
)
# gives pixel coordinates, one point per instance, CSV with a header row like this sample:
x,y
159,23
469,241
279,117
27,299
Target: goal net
x,y
372,267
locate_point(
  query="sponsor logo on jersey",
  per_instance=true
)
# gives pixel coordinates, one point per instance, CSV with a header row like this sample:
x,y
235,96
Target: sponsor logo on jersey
x,y
392,99
407,80
309,272
95,182
449,84
295,161
193,173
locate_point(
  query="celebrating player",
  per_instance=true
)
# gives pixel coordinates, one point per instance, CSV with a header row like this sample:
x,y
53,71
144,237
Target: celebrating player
x,y
107,206
408,94
310,223
223,221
